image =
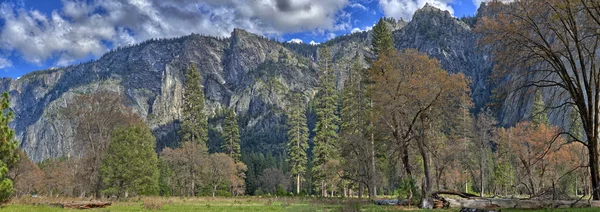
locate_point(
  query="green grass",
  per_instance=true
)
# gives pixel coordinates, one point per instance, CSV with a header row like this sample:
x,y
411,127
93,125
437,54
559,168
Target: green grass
x,y
233,204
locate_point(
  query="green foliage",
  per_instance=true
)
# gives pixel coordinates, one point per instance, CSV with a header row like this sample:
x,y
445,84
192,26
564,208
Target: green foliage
x,y
163,178
281,191
194,124
408,189
383,41
257,162
503,176
576,128
8,146
297,136
326,136
130,164
231,136
538,111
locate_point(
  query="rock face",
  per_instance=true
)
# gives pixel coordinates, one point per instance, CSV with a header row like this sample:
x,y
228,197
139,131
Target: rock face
x,y
250,73
453,43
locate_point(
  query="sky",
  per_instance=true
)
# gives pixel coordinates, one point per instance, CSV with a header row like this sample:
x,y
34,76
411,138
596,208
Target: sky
x,y
42,34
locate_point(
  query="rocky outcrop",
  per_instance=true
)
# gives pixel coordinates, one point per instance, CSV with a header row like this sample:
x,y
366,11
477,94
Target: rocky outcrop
x,y
453,43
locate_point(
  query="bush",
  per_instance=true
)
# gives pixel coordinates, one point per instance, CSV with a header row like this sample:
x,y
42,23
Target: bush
x,y
408,189
259,192
153,204
281,191
223,193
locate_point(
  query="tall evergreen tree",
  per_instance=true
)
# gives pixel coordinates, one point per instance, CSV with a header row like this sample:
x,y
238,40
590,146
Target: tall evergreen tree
x,y
383,42
326,136
8,148
297,139
130,164
576,128
231,136
355,116
538,110
194,124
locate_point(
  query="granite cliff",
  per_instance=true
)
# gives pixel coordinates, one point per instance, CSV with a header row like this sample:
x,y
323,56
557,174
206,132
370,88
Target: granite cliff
x,y
250,73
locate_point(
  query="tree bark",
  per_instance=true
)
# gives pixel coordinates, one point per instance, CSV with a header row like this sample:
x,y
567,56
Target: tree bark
x,y
593,154
372,187
298,184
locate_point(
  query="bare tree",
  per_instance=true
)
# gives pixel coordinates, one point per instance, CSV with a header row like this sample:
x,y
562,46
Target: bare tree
x,y
96,116
552,43
187,163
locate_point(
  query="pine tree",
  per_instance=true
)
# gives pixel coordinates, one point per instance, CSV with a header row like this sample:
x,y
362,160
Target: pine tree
x,y
297,139
8,148
326,136
538,110
355,116
383,42
576,128
194,125
130,164
231,136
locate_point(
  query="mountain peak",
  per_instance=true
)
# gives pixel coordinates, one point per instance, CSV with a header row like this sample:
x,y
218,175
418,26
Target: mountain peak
x,y
429,9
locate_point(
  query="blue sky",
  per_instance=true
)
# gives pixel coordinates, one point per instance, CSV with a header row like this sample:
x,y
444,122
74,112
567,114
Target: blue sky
x,y
40,34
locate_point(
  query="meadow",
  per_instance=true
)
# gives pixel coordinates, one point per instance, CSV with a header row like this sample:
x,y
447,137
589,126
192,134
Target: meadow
x,y
29,204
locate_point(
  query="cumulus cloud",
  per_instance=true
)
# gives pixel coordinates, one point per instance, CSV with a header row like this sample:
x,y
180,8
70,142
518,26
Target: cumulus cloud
x,y
295,40
312,42
5,63
367,28
406,8
89,28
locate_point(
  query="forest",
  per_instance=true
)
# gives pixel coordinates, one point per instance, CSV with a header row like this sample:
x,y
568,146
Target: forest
x,y
401,127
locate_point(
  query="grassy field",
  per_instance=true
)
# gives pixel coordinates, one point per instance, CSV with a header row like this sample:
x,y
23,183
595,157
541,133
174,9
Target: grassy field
x,y
230,204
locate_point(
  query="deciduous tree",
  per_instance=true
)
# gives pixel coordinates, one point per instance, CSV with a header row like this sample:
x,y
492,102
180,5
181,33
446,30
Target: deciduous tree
x,y
96,116
552,44
187,164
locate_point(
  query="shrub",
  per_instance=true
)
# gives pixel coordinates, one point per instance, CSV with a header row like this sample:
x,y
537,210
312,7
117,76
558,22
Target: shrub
x,y
153,204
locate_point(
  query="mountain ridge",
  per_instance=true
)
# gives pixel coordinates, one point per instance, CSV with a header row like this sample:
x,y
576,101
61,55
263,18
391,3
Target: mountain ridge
x,y
248,72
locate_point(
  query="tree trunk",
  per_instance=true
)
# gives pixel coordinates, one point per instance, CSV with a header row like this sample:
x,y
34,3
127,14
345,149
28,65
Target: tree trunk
x,y
593,154
373,193
426,184
298,184
361,189
214,190
405,161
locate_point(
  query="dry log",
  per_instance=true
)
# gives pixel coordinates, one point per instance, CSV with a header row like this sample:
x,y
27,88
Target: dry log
x,y
495,203
85,205
457,193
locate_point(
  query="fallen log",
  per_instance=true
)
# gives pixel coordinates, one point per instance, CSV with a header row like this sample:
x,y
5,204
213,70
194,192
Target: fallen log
x,y
496,203
85,205
457,193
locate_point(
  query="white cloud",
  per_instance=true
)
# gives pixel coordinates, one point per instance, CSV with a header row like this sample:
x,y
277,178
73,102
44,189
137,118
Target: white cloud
x,y
5,63
330,36
367,28
406,8
295,40
312,42
359,6
83,28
